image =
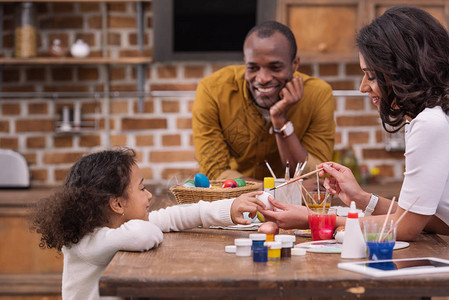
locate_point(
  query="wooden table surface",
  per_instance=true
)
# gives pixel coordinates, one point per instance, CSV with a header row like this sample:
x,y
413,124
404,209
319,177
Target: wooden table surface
x,y
193,264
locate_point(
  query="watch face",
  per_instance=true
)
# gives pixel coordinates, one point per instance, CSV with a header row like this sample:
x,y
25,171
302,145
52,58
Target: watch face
x,y
288,129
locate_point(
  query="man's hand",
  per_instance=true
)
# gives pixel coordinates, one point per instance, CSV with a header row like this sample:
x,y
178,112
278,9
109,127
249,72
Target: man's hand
x,y
289,96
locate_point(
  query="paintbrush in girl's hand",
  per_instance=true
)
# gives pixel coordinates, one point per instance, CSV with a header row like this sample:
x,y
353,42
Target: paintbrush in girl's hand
x,y
298,178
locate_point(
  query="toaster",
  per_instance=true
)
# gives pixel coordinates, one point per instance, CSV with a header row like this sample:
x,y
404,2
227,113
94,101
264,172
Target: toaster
x,y
14,172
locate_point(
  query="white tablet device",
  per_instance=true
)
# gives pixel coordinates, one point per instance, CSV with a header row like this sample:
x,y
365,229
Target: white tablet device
x,y
396,267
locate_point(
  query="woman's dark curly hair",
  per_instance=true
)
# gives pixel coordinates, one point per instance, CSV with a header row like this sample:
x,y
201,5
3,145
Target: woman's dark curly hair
x,y
407,48
82,203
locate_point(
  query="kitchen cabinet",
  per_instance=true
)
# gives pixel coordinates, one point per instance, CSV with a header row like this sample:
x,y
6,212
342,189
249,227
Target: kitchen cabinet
x,y
325,29
25,269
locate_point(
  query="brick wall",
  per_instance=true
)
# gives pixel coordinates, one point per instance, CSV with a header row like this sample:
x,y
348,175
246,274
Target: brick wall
x,y
161,133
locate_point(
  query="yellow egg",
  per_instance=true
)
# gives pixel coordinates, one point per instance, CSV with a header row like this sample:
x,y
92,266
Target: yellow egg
x,y
260,217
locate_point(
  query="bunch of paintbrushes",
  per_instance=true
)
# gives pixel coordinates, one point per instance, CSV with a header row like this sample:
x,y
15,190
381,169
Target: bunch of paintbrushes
x,y
296,179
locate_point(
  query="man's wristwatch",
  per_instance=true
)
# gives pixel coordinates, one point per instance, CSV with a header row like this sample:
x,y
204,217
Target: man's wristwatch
x,y
286,130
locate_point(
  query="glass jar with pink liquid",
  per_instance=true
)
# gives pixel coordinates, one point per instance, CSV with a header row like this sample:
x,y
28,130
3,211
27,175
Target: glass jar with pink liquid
x,y
322,223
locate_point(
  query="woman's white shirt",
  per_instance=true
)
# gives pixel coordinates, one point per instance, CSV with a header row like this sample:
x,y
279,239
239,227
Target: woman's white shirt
x,y
427,164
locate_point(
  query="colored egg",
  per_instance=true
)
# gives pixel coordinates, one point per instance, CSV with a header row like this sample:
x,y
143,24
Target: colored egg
x,y
247,217
201,180
189,183
240,182
229,183
260,217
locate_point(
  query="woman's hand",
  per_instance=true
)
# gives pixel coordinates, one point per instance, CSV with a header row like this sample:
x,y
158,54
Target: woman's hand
x,y
342,183
290,217
246,203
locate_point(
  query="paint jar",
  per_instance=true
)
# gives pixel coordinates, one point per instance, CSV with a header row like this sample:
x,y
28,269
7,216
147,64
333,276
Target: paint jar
x,y
287,242
230,249
243,247
298,251
270,238
274,250
258,239
268,184
260,254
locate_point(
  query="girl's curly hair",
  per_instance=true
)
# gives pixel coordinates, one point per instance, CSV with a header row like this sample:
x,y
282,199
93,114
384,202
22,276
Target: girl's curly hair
x,y
407,49
82,203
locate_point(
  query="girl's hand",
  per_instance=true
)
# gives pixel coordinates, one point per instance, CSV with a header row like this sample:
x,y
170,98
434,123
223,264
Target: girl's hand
x,y
246,203
342,183
290,217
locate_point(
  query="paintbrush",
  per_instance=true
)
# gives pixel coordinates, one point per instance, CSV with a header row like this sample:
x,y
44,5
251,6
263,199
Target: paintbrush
x,y
297,178
298,166
271,170
400,218
386,219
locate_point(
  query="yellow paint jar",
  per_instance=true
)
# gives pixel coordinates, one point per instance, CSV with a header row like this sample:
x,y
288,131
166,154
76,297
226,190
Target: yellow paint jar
x,y
274,250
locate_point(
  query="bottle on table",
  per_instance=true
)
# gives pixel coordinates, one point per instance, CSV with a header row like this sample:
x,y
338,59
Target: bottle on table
x,y
354,245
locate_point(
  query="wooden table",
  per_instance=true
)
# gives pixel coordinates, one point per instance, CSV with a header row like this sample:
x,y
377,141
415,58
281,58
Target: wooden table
x,y
193,264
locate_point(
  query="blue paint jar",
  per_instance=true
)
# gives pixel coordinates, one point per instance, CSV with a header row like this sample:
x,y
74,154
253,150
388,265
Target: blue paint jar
x,y
260,254
258,239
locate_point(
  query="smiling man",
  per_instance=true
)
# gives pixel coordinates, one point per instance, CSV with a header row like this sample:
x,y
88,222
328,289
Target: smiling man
x,y
262,111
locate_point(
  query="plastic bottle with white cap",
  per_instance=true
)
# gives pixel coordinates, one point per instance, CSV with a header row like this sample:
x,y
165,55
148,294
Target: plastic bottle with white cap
x,y
354,245
243,247
288,242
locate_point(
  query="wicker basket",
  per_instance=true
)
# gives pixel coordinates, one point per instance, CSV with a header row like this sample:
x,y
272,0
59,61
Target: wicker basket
x,y
194,194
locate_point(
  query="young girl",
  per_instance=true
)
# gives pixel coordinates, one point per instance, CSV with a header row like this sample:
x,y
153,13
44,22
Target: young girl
x,y
103,207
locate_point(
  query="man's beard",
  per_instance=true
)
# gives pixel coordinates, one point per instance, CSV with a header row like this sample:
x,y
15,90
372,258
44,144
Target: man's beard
x,y
264,107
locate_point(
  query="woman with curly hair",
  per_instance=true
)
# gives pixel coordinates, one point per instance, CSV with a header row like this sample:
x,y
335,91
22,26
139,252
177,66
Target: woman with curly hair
x,y
403,55
103,207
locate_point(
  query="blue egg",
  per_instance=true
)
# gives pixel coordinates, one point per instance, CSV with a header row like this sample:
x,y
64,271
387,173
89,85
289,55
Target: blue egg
x,y
201,180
